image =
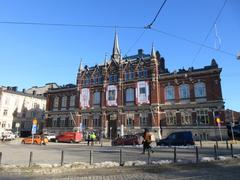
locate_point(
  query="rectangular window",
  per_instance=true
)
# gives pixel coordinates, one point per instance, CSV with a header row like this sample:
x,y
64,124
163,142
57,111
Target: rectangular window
x,y
96,98
55,103
111,95
5,112
96,121
142,90
64,102
171,118
186,118
202,117
62,123
130,119
144,119
72,101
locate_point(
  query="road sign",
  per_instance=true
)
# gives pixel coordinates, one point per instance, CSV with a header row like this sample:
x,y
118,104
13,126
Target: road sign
x,y
17,125
34,129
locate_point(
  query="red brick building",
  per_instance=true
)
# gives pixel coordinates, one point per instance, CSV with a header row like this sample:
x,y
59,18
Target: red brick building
x,y
126,95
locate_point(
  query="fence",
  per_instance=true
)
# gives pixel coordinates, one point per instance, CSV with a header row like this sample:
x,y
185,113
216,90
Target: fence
x,y
122,155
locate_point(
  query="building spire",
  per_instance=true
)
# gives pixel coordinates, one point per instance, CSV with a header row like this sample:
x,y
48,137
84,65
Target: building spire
x,y
80,66
153,53
116,51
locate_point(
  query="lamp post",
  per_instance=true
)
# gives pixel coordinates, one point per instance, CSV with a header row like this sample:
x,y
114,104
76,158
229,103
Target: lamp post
x,y
232,124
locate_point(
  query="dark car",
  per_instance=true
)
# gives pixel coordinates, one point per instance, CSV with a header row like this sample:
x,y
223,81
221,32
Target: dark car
x,y
127,140
235,130
183,138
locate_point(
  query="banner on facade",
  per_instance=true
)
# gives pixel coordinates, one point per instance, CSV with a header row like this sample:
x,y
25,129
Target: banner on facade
x,y
111,95
142,92
84,98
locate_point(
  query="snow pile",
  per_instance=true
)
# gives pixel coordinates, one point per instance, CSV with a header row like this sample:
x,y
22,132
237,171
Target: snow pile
x,y
224,158
134,163
207,159
162,162
105,164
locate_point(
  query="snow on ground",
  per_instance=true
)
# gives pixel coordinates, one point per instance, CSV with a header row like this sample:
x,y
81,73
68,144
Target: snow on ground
x,y
56,168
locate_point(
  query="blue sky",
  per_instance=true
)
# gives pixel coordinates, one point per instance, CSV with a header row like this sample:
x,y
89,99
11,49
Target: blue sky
x,y
34,55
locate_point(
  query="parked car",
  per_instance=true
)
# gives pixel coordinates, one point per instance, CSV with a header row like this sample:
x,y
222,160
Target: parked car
x,y
37,139
8,135
72,137
128,140
235,130
182,138
50,136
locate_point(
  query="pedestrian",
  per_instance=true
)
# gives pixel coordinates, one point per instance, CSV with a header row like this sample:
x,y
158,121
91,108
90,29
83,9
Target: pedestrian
x,y
147,141
93,138
88,138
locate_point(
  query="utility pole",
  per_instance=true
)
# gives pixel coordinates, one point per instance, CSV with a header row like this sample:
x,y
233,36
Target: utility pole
x,y
232,124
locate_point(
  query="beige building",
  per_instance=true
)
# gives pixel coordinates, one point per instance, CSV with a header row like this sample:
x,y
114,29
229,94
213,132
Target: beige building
x,y
20,107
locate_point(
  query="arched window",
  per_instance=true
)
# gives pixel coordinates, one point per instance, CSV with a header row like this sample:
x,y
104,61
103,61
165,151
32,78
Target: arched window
x,y
200,89
184,91
129,95
169,93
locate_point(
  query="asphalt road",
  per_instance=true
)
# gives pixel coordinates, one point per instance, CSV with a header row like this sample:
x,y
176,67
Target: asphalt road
x,y
18,154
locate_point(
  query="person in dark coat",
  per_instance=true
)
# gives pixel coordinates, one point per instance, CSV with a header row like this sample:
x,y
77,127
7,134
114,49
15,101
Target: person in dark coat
x,y
147,141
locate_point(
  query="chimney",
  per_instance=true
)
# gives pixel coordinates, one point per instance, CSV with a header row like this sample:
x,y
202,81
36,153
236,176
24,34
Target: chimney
x,y
140,52
34,92
23,90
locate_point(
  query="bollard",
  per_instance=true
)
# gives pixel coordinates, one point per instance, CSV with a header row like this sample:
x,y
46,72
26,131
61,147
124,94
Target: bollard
x,y
91,157
175,155
215,152
232,151
227,144
197,155
0,158
62,157
30,159
120,160
217,144
200,143
149,156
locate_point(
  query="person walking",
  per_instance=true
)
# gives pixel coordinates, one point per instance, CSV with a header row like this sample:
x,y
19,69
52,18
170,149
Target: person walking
x,y
147,141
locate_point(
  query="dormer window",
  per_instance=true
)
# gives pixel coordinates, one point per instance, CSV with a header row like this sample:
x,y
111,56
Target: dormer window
x,y
113,78
143,73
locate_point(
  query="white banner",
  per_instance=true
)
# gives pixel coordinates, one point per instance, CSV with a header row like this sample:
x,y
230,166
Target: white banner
x,y
111,95
142,92
84,98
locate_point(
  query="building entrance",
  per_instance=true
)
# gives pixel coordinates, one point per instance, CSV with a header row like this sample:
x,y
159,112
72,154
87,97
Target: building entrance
x,y
112,126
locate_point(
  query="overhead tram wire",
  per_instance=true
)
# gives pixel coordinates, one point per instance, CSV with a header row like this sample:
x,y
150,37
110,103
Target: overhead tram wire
x,y
135,42
149,26
209,32
70,25
192,42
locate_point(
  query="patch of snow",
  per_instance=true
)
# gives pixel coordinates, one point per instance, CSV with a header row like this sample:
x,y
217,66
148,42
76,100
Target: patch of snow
x,y
162,162
207,159
105,164
224,157
134,163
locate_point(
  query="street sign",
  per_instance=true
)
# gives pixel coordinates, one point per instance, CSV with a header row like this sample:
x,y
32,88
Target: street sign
x,y
34,129
17,125
218,120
